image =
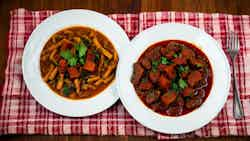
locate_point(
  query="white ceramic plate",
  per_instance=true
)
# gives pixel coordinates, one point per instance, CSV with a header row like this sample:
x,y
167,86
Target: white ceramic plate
x,y
200,116
31,62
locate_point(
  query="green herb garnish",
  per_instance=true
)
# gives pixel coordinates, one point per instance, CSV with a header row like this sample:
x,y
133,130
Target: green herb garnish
x,y
198,65
144,79
175,55
155,65
186,68
178,85
66,90
175,87
72,61
165,61
182,83
81,48
97,55
81,61
66,54
183,69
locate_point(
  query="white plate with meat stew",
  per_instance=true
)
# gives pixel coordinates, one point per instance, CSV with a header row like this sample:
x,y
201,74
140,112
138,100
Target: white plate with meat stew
x,y
70,60
170,79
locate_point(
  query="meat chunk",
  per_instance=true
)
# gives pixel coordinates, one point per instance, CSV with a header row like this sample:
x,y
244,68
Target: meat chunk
x,y
66,45
164,83
184,74
89,64
168,53
170,50
176,107
193,102
62,65
180,101
154,76
174,110
90,56
194,77
141,93
197,62
188,92
73,72
170,71
187,53
154,53
146,63
161,67
180,60
137,74
145,85
155,106
168,98
164,50
173,46
57,57
152,97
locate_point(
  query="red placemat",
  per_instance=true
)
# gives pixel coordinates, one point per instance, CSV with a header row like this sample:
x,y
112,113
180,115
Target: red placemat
x,y
21,114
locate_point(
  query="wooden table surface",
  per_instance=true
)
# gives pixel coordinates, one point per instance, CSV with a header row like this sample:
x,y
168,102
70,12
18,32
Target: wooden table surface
x,y
107,7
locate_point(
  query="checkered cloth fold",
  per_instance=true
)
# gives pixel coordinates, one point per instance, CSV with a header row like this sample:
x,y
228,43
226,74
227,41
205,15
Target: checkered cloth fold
x,y
21,114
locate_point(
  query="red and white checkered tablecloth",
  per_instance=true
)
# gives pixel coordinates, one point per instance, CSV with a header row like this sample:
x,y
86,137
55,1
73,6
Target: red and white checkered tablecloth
x,y
21,114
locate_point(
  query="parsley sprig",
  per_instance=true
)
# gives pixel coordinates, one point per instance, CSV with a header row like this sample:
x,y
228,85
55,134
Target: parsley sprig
x,y
72,60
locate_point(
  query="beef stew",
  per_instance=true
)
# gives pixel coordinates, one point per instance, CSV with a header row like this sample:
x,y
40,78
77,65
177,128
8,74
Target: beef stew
x,y
172,77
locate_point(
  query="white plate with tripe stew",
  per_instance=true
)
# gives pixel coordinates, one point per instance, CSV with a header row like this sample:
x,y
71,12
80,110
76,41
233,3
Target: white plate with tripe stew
x,y
70,61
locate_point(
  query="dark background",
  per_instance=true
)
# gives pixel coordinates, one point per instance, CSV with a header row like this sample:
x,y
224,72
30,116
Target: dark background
x,y
108,7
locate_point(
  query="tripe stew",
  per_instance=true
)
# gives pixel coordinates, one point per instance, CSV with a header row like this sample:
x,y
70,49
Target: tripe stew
x,y
78,62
